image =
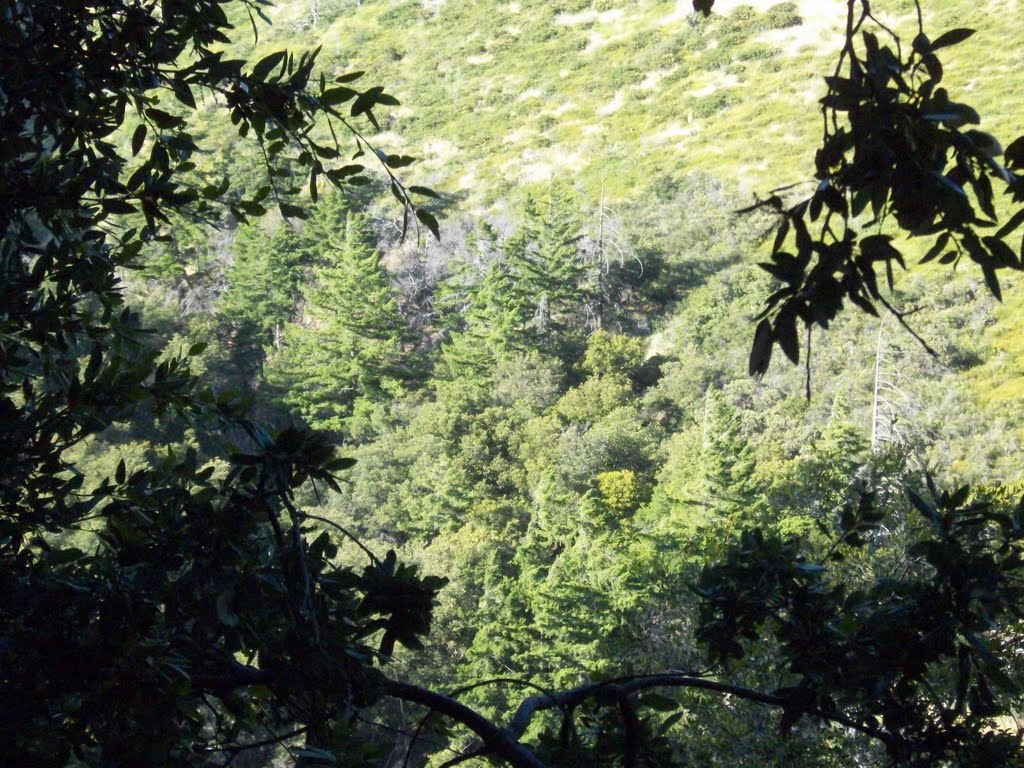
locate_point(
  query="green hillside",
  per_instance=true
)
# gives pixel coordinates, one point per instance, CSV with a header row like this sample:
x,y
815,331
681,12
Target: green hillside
x,y
549,406
639,108
495,97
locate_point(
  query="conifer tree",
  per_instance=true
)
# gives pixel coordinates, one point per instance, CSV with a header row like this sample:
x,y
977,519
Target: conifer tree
x,y
454,296
707,486
491,326
723,480
551,276
263,288
344,351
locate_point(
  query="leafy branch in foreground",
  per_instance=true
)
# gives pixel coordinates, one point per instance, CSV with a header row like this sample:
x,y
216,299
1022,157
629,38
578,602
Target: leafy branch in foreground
x,y
895,146
926,657
922,663
130,608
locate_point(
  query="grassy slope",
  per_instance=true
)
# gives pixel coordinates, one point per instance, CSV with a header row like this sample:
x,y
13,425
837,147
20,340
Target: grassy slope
x,y
499,94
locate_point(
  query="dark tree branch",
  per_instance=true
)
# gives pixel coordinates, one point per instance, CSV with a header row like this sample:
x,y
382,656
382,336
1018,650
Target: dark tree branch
x,y
478,752
901,319
807,366
630,725
300,556
626,686
344,532
504,742
497,740
236,676
256,744
409,734
567,718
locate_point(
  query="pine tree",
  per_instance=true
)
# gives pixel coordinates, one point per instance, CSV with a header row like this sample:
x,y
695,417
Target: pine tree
x,y
491,326
345,350
263,288
551,276
708,488
263,280
453,297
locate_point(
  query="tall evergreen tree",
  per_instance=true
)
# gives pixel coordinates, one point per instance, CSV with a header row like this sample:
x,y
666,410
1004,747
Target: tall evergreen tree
x,y
344,351
551,275
707,487
263,289
491,326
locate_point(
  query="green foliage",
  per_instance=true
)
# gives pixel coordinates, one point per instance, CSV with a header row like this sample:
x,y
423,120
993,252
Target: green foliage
x,y
781,16
491,324
897,145
563,436
889,636
263,282
345,351
177,606
551,274
708,488
183,255
612,354
620,490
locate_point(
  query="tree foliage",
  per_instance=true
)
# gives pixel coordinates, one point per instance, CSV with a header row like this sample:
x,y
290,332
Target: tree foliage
x,y
344,353
198,606
895,146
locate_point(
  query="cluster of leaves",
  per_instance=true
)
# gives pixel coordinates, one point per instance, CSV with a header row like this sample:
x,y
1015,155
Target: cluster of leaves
x,y
197,606
896,146
135,612
922,660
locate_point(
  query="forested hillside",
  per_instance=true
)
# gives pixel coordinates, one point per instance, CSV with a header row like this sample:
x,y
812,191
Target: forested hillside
x,y
550,406
542,375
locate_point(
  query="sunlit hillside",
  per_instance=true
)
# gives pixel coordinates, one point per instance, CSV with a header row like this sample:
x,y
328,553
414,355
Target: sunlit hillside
x,y
626,101
594,383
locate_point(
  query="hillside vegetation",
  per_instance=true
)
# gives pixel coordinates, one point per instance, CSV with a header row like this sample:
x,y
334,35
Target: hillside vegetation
x,y
495,97
550,406
660,121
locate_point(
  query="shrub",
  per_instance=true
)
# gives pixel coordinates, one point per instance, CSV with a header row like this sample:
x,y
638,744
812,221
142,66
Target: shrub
x,y
781,16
